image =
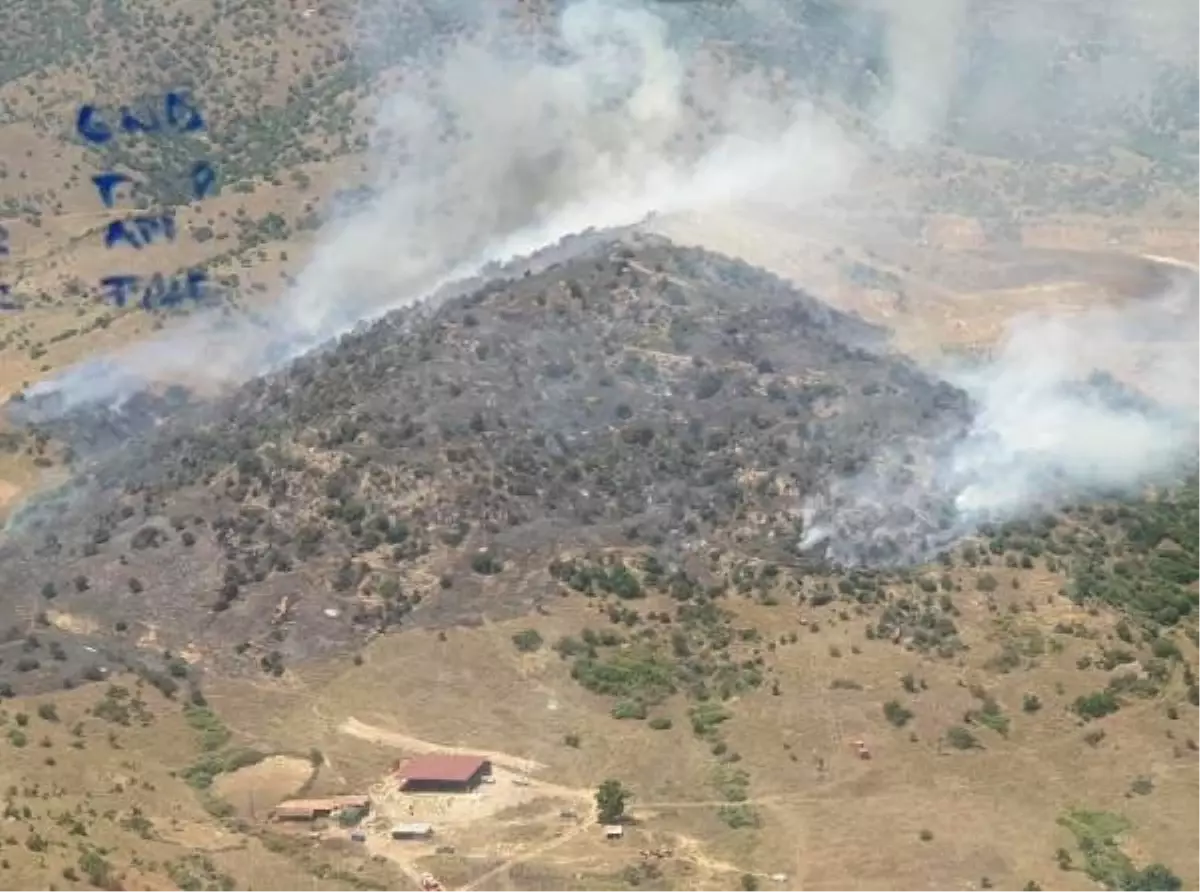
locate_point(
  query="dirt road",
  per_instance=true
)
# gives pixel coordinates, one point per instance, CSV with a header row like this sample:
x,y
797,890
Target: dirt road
x,y
375,734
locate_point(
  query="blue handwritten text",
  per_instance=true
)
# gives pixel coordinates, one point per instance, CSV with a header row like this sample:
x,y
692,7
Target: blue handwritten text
x,y
5,303
179,114
204,180
157,290
140,231
107,183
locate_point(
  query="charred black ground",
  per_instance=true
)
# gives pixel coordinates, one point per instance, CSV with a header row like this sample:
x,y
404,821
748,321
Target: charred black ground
x,y
637,392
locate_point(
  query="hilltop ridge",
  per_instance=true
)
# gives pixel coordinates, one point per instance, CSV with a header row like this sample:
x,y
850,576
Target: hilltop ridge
x,y
625,392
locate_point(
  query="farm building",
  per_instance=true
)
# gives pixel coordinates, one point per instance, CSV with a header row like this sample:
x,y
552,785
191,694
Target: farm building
x,y
444,774
412,831
310,809
289,811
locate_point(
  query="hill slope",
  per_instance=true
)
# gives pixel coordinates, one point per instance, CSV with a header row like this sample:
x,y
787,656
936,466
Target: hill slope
x,y
636,391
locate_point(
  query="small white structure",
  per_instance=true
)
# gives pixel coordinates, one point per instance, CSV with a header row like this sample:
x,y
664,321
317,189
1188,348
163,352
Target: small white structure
x,y
412,831
614,831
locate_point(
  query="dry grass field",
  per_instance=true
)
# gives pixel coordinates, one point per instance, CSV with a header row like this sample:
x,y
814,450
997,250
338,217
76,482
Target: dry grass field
x,y
920,813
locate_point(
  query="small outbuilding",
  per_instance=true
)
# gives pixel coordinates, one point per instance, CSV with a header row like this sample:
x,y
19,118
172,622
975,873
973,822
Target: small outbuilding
x,y
412,831
311,809
444,774
287,811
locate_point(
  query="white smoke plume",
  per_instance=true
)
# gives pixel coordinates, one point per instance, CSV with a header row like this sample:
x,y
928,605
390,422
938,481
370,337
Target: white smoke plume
x,y
506,151
1046,429
511,142
924,52
1032,425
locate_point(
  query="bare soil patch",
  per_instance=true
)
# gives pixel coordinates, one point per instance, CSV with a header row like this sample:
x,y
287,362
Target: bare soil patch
x,y
255,789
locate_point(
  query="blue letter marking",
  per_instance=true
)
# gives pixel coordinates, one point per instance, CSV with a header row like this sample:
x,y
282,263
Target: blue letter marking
x,y
182,117
120,287
158,288
90,127
160,291
164,292
106,183
181,114
131,124
148,224
145,227
204,180
196,280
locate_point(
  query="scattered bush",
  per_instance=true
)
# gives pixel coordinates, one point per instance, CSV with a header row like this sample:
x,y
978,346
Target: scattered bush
x,y
527,641
897,714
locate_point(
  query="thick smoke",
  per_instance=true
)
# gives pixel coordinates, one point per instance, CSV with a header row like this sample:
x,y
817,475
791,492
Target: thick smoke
x,y
500,142
507,147
923,51
1047,428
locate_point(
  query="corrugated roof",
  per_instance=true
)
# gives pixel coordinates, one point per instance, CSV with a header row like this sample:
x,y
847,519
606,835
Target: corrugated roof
x,y
293,811
413,829
329,804
451,768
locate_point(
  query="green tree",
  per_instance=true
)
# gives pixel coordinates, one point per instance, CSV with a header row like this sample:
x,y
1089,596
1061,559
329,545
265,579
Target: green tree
x,y
896,713
1156,876
527,640
610,801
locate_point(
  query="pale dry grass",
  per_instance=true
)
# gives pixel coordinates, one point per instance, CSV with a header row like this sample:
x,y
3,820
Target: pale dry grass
x,y
113,774
847,824
255,789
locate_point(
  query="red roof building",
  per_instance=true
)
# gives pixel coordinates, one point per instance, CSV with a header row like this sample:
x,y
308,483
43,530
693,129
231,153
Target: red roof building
x,y
444,773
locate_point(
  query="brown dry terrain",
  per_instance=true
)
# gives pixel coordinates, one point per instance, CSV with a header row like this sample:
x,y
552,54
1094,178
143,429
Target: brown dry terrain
x,y
777,791
1028,700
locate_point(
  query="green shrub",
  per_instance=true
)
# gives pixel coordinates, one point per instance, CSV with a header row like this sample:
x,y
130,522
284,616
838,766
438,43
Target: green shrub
x,y
527,640
629,709
962,739
897,714
1097,705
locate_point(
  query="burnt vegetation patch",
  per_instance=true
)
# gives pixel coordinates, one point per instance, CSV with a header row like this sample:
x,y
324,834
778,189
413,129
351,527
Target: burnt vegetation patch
x,y
428,468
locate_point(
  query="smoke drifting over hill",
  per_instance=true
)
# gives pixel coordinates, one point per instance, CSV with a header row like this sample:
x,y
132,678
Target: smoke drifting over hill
x,y
1046,429
509,142
507,147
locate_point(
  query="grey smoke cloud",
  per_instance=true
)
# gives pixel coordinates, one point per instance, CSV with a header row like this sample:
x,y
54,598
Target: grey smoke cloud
x,y
1034,426
1045,431
507,147
924,52
505,151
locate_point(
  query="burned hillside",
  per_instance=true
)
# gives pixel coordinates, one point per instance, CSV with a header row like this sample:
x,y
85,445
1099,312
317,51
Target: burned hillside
x,y
428,467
